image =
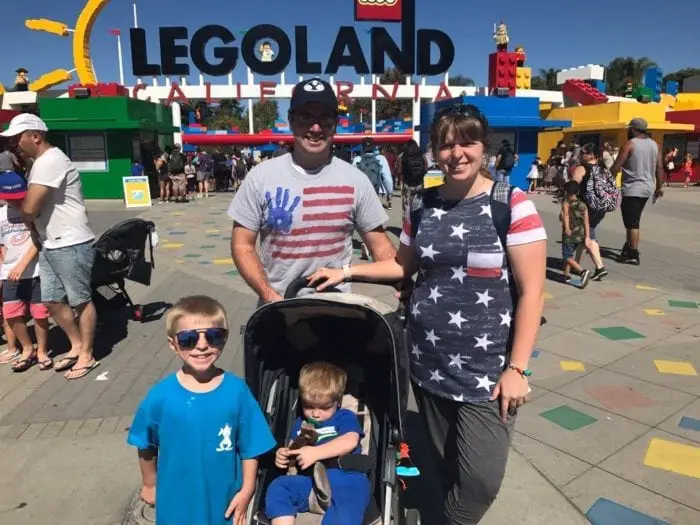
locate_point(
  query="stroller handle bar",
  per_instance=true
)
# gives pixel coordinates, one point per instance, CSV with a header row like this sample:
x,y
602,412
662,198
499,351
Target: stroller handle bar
x,y
300,283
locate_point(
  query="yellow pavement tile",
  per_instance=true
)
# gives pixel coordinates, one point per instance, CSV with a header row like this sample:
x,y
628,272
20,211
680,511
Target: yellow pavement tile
x,y
548,296
180,261
673,457
178,213
173,245
680,368
572,366
654,311
213,231
223,261
647,288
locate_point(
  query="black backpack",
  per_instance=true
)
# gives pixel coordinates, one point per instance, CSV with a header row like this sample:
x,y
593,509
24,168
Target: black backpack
x,y
413,170
369,165
176,164
508,160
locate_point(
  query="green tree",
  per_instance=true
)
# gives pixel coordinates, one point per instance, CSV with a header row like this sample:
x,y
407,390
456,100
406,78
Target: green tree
x,y
224,115
398,108
546,79
265,114
462,81
680,75
623,69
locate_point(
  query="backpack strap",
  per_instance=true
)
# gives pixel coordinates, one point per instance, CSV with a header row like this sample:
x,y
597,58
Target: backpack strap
x,y
501,195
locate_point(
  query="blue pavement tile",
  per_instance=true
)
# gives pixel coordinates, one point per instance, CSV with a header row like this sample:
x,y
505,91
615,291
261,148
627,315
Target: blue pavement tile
x,y
689,423
535,353
606,512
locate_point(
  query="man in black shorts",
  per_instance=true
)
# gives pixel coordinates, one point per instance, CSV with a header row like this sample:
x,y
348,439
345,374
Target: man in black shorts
x,y
642,178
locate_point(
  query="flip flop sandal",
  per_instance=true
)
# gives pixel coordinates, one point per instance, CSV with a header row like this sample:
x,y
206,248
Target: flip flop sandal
x,y
68,363
7,357
46,364
83,370
23,365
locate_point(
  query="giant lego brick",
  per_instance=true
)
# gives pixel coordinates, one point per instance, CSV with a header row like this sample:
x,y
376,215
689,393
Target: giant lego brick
x,y
523,78
112,89
653,79
502,71
589,72
598,84
672,87
582,93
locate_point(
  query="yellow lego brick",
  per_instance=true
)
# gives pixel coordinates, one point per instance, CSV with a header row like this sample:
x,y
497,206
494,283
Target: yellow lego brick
x,y
679,368
572,366
523,78
673,457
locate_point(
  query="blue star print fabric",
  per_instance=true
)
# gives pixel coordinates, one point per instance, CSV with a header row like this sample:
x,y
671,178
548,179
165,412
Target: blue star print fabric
x,y
461,311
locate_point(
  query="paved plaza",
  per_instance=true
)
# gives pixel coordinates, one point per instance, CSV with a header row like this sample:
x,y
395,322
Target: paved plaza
x,y
611,435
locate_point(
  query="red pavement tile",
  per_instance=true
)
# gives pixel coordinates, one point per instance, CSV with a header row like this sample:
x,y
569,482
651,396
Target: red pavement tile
x,y
620,397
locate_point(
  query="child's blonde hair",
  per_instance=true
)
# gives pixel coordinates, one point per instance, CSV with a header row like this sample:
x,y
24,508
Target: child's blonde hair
x,y
322,382
195,305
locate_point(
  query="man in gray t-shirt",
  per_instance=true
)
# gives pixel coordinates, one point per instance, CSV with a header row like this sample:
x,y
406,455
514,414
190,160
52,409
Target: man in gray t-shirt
x,y
304,207
642,178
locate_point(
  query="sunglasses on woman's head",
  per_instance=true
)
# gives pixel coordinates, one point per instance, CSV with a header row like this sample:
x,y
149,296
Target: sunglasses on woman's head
x,y
467,110
188,339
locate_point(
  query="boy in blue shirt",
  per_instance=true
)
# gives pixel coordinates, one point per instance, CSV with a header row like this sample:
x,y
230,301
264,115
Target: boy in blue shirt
x,y
199,431
321,389
136,169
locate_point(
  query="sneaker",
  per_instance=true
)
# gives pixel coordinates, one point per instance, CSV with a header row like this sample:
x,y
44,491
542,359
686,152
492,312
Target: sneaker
x,y
321,485
599,274
585,277
568,279
629,258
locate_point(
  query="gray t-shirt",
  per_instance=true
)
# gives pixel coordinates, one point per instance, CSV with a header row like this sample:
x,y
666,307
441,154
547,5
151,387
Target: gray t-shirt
x,y
7,161
639,171
306,220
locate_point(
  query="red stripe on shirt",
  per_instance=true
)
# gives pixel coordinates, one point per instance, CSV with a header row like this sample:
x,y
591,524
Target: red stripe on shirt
x,y
341,215
343,190
527,223
484,272
319,229
329,202
281,243
308,255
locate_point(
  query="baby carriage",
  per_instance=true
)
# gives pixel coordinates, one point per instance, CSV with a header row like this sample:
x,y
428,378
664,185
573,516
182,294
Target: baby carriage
x,y
362,336
121,255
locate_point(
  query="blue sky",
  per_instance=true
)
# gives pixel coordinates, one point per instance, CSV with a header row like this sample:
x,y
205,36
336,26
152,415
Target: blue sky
x,y
555,34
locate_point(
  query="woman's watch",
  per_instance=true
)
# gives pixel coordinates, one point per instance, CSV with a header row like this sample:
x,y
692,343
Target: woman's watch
x,y
524,372
347,275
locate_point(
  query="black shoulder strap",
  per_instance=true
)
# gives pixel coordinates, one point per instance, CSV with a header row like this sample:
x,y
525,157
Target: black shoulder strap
x,y
501,195
416,207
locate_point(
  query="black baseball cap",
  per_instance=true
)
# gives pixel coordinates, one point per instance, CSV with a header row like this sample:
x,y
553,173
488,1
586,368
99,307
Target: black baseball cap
x,y
314,90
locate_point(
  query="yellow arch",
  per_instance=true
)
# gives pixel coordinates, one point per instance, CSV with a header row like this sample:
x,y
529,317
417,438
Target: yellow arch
x,y
81,40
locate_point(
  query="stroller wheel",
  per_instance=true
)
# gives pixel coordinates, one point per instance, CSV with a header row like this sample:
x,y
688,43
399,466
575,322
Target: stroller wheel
x,y
411,517
138,313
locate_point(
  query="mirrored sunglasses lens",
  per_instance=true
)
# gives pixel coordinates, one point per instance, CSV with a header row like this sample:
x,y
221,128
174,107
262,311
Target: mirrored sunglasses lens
x,y
216,337
187,340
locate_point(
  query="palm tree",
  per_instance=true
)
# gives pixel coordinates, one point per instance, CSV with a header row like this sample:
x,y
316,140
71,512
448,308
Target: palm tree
x,y
546,79
621,69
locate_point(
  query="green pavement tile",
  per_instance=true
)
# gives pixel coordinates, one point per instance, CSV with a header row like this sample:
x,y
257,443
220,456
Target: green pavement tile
x,y
232,273
209,222
568,418
618,333
212,236
682,304
226,238
207,246
193,255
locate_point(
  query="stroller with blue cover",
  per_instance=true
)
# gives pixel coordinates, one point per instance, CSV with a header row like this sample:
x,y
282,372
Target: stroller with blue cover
x,y
364,337
121,256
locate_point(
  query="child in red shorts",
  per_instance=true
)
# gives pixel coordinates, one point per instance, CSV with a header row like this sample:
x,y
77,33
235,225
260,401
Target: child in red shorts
x,y
19,272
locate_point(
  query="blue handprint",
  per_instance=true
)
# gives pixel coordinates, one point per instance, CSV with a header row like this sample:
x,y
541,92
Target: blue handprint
x,y
279,218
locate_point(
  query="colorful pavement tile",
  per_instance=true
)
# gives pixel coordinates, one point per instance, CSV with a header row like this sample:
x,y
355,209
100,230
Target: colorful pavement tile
x,y
679,368
618,333
172,245
535,353
654,312
610,295
568,418
193,255
646,288
177,233
689,423
682,304
619,397
548,296
233,273
207,246
223,261
607,512
572,366
673,457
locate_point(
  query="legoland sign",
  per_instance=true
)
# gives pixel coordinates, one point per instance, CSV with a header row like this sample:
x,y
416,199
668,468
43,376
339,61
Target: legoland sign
x,y
412,55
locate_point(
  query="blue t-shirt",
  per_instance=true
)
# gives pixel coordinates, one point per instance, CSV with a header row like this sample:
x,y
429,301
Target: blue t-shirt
x,y
340,423
202,439
136,170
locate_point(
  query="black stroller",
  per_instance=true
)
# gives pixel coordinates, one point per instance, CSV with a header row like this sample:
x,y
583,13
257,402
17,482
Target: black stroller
x,y
361,335
120,256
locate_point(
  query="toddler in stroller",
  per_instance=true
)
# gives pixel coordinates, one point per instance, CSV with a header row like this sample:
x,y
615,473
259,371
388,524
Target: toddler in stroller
x,y
286,344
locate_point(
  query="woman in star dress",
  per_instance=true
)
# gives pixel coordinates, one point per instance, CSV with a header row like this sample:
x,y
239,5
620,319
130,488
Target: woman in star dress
x,y
473,315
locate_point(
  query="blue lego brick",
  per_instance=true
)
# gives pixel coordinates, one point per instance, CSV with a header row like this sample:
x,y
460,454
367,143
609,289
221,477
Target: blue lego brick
x,y
672,87
653,79
598,84
606,512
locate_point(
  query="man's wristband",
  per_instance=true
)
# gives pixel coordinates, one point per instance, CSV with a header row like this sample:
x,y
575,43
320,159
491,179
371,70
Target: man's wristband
x,y
347,274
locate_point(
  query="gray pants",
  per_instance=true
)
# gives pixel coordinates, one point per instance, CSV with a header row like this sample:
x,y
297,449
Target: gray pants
x,y
471,444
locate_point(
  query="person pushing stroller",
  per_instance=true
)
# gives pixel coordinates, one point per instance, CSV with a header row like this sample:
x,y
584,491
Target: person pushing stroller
x,y
337,432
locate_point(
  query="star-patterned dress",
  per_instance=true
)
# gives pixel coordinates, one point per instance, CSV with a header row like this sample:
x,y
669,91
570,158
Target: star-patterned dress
x,y
461,310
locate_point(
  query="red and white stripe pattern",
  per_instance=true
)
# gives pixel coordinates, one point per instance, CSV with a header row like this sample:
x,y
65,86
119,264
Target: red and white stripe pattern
x,y
484,264
326,220
525,223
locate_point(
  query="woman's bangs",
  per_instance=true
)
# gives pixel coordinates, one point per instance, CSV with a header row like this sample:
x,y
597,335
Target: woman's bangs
x,y
461,129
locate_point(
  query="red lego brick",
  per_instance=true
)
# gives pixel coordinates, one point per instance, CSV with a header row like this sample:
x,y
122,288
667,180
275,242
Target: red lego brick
x,y
502,71
583,93
111,89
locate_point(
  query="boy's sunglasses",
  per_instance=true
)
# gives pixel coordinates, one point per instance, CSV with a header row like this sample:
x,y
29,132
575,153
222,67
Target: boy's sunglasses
x,y
188,339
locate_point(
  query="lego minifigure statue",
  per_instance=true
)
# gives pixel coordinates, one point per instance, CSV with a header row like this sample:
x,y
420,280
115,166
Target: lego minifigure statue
x,y
520,51
22,80
266,52
500,35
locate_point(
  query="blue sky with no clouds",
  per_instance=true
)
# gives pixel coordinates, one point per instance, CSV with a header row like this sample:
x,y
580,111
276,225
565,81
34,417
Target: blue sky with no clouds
x,y
555,34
